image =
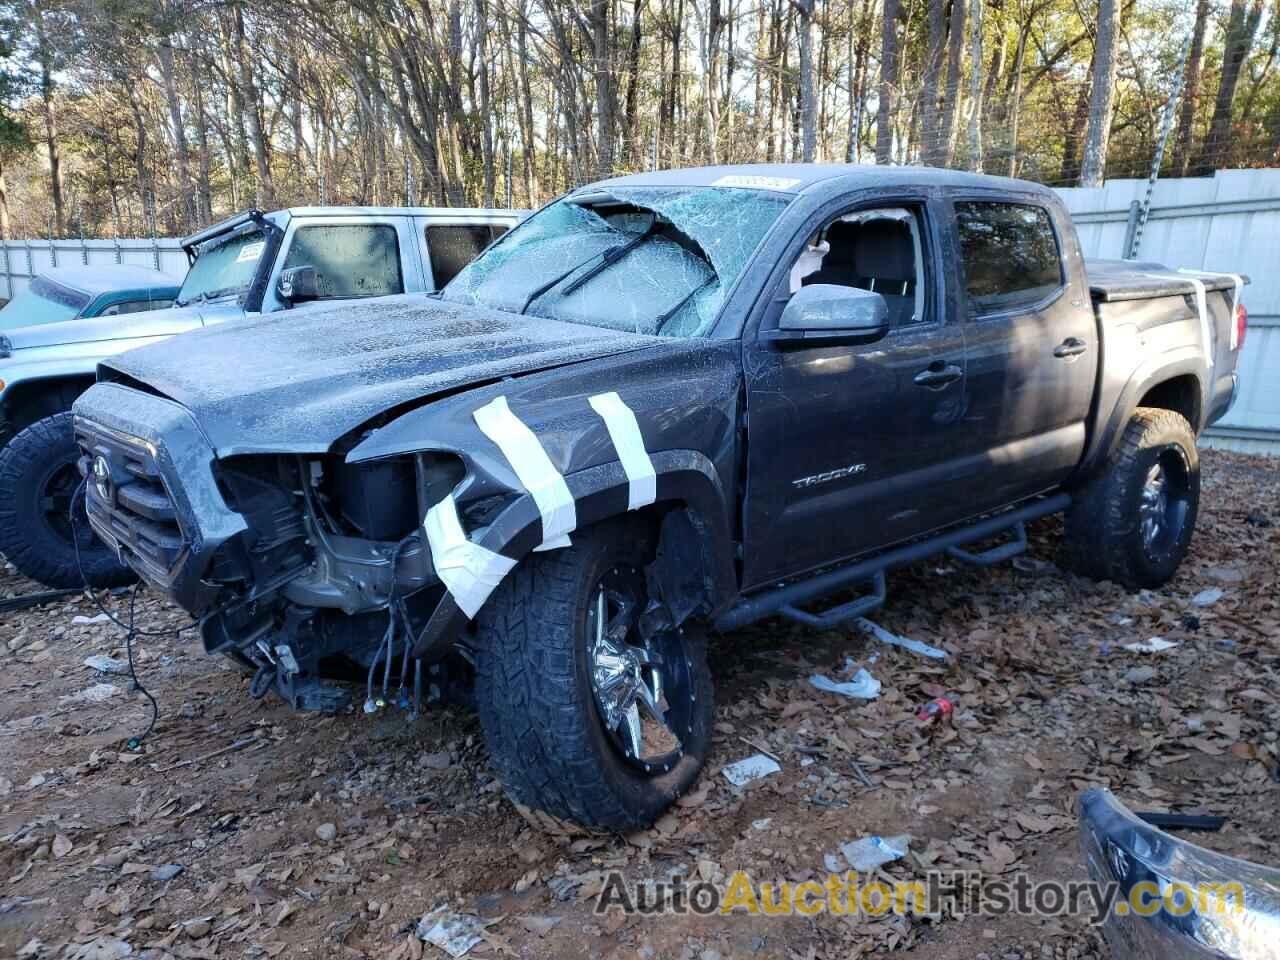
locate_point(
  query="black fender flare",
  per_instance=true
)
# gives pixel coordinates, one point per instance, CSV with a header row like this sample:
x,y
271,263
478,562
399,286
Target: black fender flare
x,y
1184,361
686,479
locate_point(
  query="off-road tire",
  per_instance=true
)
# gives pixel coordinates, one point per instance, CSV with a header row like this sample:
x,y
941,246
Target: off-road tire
x,y
536,702
1103,536
27,538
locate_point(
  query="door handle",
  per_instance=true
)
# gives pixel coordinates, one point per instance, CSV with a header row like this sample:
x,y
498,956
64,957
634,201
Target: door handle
x,y
1070,347
938,375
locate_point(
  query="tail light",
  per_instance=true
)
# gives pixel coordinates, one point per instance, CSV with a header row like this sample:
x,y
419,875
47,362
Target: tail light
x,y
1242,325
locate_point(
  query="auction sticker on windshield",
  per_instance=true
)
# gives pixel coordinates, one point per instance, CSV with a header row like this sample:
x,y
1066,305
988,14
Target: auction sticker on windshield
x,y
756,183
250,251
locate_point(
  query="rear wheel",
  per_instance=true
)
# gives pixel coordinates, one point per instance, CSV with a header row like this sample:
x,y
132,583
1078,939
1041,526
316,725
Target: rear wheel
x,y
1133,522
586,719
38,478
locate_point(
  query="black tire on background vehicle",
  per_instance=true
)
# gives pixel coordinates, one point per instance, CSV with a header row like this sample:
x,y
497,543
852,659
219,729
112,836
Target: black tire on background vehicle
x,y
1132,524
562,678
38,478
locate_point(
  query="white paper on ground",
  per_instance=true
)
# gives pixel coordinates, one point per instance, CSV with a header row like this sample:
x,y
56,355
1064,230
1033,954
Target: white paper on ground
x,y
1154,645
624,431
863,686
469,571
752,768
915,646
454,933
537,474
871,852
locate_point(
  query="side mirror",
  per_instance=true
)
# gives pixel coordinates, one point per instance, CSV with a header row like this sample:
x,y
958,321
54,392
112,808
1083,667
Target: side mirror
x,y
298,284
824,312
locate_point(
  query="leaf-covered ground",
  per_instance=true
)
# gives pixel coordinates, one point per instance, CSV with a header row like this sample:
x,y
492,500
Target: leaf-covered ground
x,y
245,830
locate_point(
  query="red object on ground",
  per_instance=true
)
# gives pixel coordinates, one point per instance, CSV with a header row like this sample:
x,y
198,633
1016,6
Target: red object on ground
x,y
940,708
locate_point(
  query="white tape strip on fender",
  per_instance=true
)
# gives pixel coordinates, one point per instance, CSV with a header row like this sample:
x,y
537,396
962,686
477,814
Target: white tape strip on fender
x,y
534,468
1235,299
469,571
1202,309
624,431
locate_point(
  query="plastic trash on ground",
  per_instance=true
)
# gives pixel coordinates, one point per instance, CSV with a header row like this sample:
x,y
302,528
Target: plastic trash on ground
x,y
752,768
862,686
1207,597
104,664
454,933
80,620
1154,645
915,646
871,852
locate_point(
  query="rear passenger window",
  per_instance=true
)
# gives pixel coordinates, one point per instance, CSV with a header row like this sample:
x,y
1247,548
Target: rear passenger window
x,y
453,247
351,260
1010,255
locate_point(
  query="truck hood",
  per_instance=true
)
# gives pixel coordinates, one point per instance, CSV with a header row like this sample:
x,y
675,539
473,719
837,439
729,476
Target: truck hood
x,y
128,326
298,381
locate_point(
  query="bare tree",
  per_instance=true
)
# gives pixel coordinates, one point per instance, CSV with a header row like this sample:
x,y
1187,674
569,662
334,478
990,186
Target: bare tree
x,y
888,82
1101,96
1190,92
1241,27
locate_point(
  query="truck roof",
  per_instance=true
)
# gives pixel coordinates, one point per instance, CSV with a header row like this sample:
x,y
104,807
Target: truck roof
x,y
107,278
796,178
454,213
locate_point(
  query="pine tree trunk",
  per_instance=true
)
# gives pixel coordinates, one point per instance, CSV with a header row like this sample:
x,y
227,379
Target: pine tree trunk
x,y
1190,92
808,104
888,83
1101,97
952,95
975,90
1241,27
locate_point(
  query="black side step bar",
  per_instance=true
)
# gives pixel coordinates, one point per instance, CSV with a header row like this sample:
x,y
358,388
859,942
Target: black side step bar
x,y
989,558
788,599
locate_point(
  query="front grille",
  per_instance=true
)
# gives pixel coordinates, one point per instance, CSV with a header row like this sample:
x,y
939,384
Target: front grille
x,y
127,501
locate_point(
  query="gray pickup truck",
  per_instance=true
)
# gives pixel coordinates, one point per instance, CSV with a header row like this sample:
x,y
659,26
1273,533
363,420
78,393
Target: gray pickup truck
x,y
664,402
248,264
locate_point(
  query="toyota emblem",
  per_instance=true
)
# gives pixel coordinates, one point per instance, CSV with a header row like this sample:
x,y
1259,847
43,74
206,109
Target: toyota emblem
x,y
102,478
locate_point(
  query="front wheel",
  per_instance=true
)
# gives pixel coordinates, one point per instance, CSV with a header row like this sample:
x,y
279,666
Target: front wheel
x,y
585,718
38,478
1132,524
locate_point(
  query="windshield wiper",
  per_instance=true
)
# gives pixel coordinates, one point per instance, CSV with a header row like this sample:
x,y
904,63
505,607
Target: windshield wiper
x,y
662,320
610,255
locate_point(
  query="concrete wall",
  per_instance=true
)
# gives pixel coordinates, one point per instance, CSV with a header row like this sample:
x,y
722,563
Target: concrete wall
x,y
1228,222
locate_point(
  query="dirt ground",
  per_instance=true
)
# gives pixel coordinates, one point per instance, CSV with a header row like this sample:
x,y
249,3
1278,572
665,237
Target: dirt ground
x,y
244,830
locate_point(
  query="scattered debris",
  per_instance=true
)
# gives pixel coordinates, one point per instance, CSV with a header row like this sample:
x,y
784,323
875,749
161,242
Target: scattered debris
x,y
104,664
752,768
62,845
166,871
1140,675
80,620
939,710
1208,597
915,646
1154,645
871,852
540,926
326,832
454,933
862,686
100,948
98,693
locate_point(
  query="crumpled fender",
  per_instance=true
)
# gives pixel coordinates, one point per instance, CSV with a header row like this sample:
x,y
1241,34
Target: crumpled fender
x,y
687,404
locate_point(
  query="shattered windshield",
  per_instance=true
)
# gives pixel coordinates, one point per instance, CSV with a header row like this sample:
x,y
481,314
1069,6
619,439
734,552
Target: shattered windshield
x,y
223,267
641,259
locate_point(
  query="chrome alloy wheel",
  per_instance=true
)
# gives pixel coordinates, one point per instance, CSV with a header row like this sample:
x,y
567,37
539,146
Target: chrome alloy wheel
x,y
641,688
1164,502
1154,506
